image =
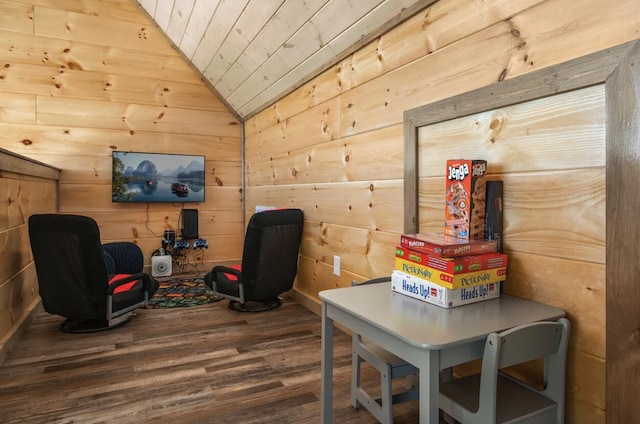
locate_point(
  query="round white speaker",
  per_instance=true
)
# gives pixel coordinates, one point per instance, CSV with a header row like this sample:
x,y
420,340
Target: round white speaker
x,y
161,266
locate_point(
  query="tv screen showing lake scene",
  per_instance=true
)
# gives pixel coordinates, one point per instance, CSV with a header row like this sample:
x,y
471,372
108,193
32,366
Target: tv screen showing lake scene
x,y
157,177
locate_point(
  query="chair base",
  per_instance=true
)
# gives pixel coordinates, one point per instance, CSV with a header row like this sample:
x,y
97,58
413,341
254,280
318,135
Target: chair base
x,y
255,306
78,326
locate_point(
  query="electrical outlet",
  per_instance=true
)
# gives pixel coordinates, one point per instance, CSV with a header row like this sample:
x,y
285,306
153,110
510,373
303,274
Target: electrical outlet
x,y
336,265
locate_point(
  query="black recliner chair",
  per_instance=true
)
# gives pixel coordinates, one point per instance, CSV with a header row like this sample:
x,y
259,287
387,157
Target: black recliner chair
x,y
269,262
94,287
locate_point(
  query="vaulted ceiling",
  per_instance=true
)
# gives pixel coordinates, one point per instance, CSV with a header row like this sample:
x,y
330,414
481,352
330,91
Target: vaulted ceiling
x,y
254,51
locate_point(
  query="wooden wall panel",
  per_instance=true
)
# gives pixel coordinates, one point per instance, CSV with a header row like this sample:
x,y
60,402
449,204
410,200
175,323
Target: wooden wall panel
x,y
361,251
452,70
25,196
27,188
346,159
83,169
572,203
374,205
16,17
14,251
18,108
430,31
45,140
49,81
83,27
306,129
557,133
576,286
135,117
124,10
57,53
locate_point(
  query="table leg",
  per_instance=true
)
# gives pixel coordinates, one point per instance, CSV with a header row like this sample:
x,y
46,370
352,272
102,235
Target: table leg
x,y
429,387
447,375
326,385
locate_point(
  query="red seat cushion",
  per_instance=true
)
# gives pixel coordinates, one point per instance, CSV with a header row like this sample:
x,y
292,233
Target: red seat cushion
x,y
124,287
231,276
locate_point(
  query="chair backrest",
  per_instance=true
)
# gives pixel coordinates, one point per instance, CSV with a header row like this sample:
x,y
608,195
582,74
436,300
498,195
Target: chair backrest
x,y
127,257
70,265
540,340
371,281
270,254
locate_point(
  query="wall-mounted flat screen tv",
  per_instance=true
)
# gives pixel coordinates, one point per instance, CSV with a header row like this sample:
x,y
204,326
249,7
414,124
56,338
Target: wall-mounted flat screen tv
x,y
157,177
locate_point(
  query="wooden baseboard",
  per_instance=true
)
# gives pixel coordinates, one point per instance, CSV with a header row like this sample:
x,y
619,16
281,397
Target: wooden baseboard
x,y
311,304
13,338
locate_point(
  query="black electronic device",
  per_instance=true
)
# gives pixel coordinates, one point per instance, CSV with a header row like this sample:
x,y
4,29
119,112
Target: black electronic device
x,y
190,224
169,238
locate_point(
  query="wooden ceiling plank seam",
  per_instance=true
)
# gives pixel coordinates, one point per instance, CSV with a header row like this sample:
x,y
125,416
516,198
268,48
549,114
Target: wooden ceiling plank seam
x,y
280,88
299,50
283,84
255,17
283,25
201,16
163,13
334,18
179,19
249,50
359,29
268,74
149,6
368,24
296,53
274,66
221,23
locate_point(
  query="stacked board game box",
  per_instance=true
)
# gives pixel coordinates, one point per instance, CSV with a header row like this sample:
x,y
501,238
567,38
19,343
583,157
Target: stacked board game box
x,y
441,245
427,291
454,265
464,263
451,281
448,271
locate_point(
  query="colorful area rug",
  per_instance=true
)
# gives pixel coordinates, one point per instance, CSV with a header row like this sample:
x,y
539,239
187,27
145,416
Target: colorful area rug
x,y
181,293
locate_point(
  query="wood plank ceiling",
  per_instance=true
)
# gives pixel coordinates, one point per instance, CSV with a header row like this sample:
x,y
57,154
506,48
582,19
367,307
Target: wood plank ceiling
x,y
254,51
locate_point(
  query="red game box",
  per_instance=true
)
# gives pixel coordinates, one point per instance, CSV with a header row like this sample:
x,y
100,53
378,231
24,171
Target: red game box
x,y
441,245
457,265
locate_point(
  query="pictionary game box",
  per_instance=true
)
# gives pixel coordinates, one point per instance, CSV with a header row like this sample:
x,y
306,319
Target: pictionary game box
x,y
465,193
451,281
418,288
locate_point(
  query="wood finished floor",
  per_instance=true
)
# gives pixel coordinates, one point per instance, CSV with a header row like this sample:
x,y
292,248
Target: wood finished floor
x,y
203,364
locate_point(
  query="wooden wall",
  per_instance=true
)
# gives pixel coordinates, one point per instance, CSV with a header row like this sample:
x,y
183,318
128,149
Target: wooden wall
x,y
27,188
334,147
81,78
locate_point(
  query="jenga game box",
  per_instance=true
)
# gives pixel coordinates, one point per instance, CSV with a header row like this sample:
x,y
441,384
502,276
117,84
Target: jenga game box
x,y
465,199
